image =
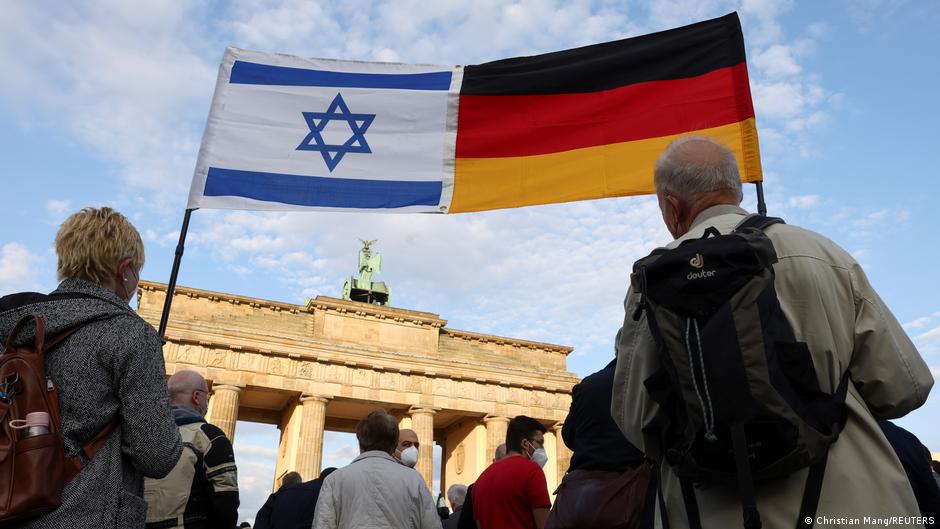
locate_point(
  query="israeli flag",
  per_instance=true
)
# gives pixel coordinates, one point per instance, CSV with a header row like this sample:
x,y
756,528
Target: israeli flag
x,y
291,133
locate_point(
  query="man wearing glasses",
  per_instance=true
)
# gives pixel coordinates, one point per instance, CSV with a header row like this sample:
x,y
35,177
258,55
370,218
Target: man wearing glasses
x,y
202,490
512,493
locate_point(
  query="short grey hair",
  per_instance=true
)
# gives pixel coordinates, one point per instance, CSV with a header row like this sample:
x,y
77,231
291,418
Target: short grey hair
x,y
693,166
457,494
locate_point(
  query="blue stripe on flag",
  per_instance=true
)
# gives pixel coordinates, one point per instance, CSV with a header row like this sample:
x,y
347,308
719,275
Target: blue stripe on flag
x,y
319,191
266,74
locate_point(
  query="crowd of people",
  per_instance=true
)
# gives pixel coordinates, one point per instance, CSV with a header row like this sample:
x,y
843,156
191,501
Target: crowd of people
x,y
770,401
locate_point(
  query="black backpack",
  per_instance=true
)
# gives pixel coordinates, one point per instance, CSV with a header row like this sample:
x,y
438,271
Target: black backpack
x,y
740,399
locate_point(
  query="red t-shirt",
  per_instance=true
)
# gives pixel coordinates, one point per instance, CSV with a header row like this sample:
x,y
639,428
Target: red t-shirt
x,y
507,491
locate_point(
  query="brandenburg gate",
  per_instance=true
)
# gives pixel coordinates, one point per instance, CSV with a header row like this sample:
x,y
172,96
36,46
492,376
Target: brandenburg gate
x,y
327,364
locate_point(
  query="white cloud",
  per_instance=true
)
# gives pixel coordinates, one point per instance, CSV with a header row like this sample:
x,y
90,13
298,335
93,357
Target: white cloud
x,y
917,324
927,342
522,273
254,485
18,268
865,14
518,272
417,31
777,61
803,201
58,207
780,100
256,450
121,78
931,335
340,456
881,217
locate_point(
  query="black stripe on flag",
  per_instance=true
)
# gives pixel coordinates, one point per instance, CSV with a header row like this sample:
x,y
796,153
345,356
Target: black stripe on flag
x,y
678,53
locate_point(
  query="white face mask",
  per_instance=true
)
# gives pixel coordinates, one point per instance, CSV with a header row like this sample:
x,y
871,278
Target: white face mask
x,y
409,456
131,293
539,457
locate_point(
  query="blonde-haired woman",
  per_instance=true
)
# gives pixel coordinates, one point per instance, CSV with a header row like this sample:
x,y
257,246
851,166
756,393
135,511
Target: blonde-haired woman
x,y
109,373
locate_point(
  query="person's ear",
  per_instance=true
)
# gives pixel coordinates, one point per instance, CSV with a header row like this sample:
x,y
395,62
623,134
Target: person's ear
x,y
673,213
122,273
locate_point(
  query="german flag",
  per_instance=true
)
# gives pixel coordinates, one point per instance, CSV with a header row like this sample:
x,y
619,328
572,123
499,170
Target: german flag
x,y
590,122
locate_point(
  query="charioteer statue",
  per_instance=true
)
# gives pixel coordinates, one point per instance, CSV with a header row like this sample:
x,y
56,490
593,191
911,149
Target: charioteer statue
x,y
362,288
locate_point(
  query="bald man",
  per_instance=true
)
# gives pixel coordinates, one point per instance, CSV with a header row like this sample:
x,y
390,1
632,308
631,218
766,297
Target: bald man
x,y
202,489
408,446
837,320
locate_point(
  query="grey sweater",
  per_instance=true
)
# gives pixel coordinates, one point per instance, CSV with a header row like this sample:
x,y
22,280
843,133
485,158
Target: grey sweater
x,y
112,365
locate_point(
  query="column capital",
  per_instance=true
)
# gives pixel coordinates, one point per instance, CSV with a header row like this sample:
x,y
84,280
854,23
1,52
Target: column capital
x,y
309,397
558,425
496,418
430,410
226,386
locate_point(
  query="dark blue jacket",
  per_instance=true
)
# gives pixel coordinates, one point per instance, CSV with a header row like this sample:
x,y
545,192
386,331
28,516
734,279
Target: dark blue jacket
x,y
590,431
291,507
915,458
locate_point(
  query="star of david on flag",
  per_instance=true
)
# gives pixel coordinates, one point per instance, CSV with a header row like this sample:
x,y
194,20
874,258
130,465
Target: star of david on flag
x,y
337,111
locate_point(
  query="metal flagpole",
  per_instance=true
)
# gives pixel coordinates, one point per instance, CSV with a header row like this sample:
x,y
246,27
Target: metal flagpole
x,y
761,206
171,286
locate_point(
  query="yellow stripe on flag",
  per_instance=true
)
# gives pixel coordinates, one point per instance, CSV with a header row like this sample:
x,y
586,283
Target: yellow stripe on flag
x,y
614,170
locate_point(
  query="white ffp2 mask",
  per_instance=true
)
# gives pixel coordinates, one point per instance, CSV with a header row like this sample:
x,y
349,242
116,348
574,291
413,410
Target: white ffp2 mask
x,y
409,456
539,457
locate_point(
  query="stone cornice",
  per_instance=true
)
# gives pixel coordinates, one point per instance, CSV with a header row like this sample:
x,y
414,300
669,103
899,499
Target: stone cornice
x,y
221,296
500,340
502,376
356,308
376,311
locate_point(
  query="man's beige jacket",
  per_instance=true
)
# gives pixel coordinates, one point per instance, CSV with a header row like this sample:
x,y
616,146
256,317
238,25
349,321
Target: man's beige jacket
x,y
832,307
375,492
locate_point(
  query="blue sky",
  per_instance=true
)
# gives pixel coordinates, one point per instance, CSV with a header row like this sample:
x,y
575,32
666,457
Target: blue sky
x,y
104,104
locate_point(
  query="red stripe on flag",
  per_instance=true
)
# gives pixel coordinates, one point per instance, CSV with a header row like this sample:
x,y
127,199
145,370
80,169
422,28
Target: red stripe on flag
x,y
500,126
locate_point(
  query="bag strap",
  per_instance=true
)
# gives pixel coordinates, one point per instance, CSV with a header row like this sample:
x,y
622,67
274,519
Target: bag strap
x,y
745,479
74,465
691,504
664,516
814,479
757,221
811,493
57,339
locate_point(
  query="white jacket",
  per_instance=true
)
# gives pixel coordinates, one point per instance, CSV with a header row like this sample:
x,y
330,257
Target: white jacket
x,y
832,307
375,492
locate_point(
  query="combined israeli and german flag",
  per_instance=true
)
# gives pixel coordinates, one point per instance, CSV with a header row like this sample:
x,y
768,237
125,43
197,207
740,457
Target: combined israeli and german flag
x,y
289,133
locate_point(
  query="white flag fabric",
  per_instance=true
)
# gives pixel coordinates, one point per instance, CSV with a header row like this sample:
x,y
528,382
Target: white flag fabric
x,y
289,133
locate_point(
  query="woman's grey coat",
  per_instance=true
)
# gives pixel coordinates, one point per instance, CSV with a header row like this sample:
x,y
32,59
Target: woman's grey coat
x,y
112,365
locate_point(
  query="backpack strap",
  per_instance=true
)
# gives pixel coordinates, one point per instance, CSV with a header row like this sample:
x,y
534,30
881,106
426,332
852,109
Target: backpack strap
x,y
664,516
74,465
691,504
811,493
814,479
745,478
757,221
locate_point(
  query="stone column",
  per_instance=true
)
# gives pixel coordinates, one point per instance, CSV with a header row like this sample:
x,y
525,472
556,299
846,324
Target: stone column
x,y
495,433
310,446
564,454
223,408
422,422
